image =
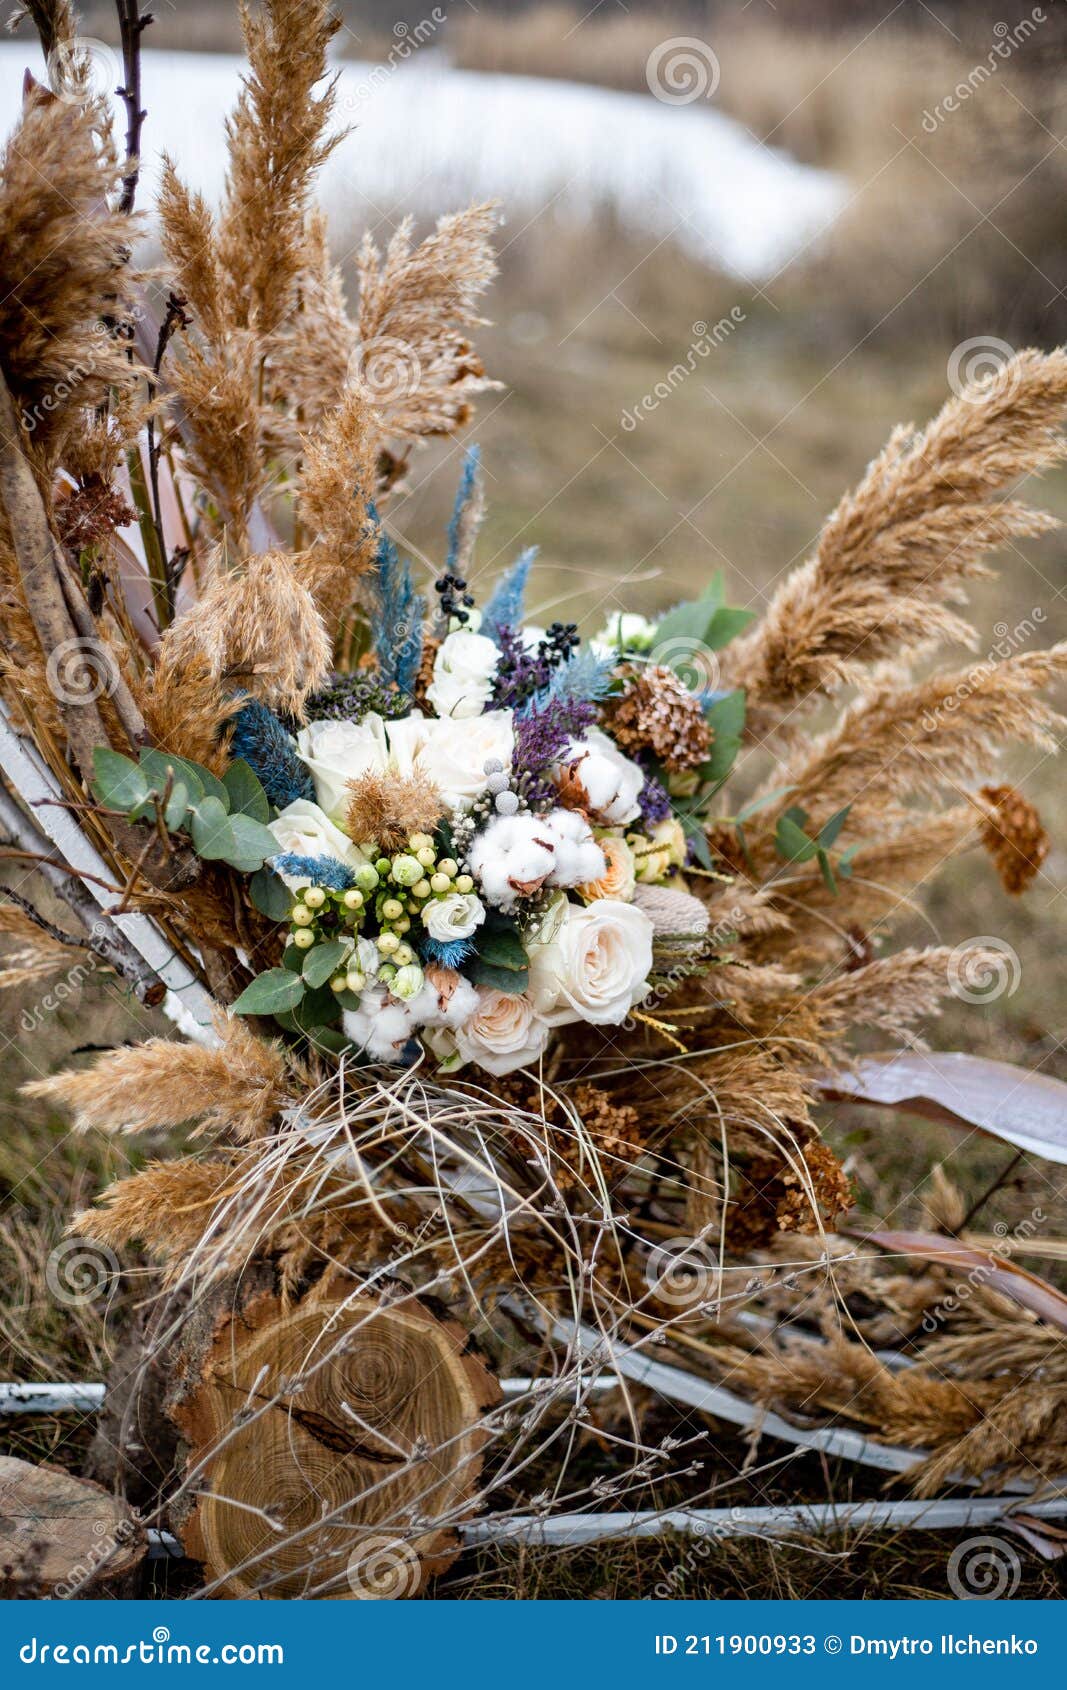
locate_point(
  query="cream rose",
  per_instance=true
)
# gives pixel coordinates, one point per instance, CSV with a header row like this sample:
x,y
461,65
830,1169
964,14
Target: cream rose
x,y
596,965
452,754
463,672
455,916
338,752
306,831
504,1033
619,876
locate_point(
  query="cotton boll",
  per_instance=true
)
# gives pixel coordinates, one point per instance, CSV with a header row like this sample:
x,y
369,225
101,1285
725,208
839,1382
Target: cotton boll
x,y
593,775
447,1000
578,856
512,858
380,1027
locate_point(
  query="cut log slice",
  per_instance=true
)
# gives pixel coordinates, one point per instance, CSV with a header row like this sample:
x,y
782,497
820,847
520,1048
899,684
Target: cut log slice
x,y
332,1443
62,1537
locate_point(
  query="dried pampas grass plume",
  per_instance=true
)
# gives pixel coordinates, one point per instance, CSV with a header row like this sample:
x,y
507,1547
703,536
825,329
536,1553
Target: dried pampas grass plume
x,y
897,551
257,629
239,1087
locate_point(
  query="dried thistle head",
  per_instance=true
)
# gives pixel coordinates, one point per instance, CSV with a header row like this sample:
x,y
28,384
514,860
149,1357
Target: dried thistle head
x,y
388,809
1014,835
656,713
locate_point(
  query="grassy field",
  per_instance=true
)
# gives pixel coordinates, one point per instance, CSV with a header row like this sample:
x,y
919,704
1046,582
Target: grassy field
x,y
735,470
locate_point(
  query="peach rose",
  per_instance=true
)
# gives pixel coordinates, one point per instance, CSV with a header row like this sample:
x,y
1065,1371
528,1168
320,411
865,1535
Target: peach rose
x,y
619,878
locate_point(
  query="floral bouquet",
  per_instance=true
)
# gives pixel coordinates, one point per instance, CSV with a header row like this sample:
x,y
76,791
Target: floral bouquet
x,y
477,840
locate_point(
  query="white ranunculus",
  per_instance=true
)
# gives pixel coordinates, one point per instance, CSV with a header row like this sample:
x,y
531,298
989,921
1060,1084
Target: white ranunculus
x,y
624,631
463,672
594,771
504,1032
307,831
513,857
452,755
455,916
595,967
337,752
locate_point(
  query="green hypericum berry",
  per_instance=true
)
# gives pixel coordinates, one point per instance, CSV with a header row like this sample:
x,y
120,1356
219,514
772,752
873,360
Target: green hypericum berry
x,y
314,897
303,940
353,981
427,856
403,955
421,841
392,909
367,877
421,889
353,899
302,916
464,883
403,925
439,882
382,866
406,870
339,983
449,866
387,943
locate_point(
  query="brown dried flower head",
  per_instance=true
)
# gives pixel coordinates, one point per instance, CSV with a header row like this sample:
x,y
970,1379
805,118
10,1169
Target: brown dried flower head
x,y
655,713
1013,834
388,809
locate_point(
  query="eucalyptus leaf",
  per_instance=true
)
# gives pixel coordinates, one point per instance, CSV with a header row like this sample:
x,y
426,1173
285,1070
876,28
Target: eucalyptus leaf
x,y
323,961
499,946
829,833
792,843
270,993
158,766
501,979
253,842
212,831
247,797
270,895
118,782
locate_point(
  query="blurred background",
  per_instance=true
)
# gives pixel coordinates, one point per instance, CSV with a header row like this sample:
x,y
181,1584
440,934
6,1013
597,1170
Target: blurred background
x,y
739,243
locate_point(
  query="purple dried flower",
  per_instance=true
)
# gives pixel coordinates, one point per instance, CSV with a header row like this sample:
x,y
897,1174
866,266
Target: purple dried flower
x,y
654,802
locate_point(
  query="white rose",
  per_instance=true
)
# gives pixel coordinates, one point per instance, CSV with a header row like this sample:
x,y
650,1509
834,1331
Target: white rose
x,y
306,831
452,754
595,967
504,1032
455,916
594,774
337,752
463,673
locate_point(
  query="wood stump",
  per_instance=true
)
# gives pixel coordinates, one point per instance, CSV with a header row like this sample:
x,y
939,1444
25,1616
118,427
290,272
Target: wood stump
x,y
324,1437
63,1537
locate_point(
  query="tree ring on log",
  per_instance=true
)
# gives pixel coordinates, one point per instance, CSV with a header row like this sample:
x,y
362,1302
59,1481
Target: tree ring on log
x,y
333,1443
